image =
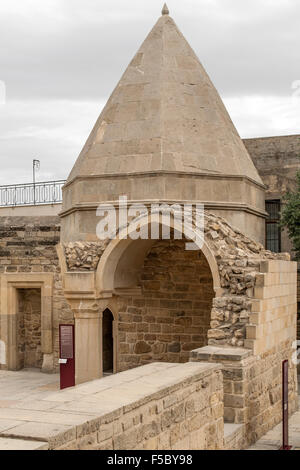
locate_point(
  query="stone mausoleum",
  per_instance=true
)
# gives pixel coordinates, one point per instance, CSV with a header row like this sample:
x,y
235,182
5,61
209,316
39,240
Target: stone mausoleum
x,y
164,137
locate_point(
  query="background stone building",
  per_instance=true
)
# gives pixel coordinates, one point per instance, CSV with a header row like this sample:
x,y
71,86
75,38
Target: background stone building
x,y
277,160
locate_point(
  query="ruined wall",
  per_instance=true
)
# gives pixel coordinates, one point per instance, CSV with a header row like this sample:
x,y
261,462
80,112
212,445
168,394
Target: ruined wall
x,y
253,379
28,245
235,260
172,315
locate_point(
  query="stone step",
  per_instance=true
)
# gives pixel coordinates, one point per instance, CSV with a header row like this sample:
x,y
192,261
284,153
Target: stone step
x,y
233,436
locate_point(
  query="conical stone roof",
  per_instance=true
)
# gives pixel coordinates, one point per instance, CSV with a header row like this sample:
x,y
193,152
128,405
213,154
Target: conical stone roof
x,y
164,115
164,136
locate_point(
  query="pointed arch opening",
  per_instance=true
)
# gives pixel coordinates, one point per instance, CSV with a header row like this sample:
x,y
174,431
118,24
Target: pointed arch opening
x,y
163,297
107,342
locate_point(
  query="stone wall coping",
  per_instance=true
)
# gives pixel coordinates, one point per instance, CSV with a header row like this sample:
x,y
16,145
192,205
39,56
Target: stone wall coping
x,y
214,353
157,378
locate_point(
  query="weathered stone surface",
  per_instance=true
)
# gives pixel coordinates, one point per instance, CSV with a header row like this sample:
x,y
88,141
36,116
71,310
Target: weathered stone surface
x,y
174,347
141,347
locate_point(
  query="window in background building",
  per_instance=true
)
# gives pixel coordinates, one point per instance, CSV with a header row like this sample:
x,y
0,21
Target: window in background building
x,y
273,230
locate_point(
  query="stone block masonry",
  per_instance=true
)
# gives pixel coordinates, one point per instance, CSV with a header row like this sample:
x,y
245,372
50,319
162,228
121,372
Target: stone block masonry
x,y
166,407
273,315
172,315
28,247
253,386
252,377
277,161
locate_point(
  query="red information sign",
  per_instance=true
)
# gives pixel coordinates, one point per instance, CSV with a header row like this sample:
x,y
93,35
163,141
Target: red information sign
x,y
285,406
66,342
67,355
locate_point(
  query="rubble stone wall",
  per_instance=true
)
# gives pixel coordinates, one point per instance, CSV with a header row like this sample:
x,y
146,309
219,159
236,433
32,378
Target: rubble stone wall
x,y
239,262
29,328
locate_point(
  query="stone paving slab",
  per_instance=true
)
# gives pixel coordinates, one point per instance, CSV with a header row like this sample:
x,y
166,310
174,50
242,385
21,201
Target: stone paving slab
x,y
41,431
6,424
20,444
51,417
231,429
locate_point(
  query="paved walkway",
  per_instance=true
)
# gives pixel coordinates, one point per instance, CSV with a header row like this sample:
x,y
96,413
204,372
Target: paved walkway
x,y
35,414
23,394
31,406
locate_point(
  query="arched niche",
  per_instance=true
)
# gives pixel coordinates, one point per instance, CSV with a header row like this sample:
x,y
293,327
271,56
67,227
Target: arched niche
x,y
121,262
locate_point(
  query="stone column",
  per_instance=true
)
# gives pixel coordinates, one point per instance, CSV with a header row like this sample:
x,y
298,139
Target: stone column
x,y
88,345
80,292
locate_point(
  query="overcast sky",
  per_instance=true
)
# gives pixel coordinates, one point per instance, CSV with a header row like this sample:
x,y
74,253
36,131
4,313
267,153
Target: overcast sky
x,y
61,59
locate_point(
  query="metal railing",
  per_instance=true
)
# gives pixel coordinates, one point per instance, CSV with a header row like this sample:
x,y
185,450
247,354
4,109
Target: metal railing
x,y
49,192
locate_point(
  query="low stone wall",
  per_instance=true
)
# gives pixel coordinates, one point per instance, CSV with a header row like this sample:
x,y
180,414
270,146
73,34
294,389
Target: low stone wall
x,y
164,407
253,377
39,210
253,386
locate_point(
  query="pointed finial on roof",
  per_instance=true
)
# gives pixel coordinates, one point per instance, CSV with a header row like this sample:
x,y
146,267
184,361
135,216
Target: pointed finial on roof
x,y
165,10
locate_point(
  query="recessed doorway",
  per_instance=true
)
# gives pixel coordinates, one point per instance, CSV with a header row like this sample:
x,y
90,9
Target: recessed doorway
x,y
108,342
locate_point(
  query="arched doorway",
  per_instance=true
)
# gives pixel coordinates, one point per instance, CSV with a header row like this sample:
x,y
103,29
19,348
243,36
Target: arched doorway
x,y
163,295
107,342
28,326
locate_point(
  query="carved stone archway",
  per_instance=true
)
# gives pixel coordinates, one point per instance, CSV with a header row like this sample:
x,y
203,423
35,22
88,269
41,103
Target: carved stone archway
x,y
97,272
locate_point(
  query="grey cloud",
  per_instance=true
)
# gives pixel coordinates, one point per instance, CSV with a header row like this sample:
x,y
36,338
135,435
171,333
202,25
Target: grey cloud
x,y
247,47
61,59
